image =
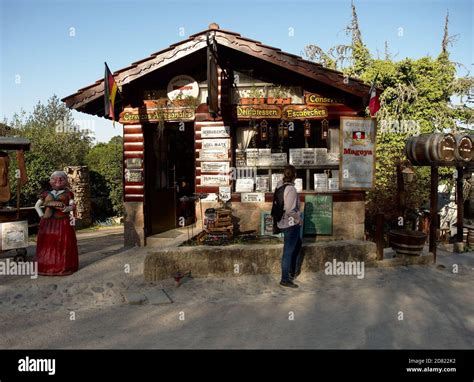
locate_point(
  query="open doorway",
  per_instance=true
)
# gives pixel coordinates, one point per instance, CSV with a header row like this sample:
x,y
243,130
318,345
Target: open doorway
x,y
169,176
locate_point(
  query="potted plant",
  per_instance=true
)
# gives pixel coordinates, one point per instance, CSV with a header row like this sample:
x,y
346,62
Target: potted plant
x,y
256,95
279,95
179,100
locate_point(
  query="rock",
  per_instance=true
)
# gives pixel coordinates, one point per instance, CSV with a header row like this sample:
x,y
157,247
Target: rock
x,y
52,287
135,298
18,296
109,285
98,289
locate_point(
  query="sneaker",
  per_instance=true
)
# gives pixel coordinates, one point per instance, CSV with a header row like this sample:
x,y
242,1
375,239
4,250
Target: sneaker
x,y
288,284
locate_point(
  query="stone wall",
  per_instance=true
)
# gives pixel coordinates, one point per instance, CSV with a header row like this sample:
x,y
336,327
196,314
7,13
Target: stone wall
x,y
251,259
78,178
134,224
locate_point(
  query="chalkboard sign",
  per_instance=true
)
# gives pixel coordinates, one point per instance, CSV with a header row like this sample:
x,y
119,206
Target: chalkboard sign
x,y
318,215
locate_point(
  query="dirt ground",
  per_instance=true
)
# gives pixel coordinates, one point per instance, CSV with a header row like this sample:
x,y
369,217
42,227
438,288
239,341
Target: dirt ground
x,y
107,305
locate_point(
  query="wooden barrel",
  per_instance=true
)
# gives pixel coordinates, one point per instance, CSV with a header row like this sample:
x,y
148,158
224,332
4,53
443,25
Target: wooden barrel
x,y
465,232
431,149
407,242
464,149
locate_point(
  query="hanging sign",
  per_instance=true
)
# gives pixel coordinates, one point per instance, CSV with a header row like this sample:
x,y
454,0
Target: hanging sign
x,y
213,154
357,145
182,86
304,112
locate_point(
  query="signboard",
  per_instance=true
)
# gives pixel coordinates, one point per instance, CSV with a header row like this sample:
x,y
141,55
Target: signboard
x,y
262,183
266,224
264,157
244,185
318,215
225,193
133,176
316,99
134,115
13,235
133,163
210,144
279,159
259,112
304,112
357,144
214,180
215,167
252,197
183,86
213,154
215,132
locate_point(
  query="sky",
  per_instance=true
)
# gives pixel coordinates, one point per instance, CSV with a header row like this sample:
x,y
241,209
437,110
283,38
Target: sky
x,y
59,46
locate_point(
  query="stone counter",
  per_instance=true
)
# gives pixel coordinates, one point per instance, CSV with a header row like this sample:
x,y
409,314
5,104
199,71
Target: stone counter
x,y
242,259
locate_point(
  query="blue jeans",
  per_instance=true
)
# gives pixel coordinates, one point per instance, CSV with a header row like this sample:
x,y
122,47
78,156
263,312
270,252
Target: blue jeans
x,y
292,259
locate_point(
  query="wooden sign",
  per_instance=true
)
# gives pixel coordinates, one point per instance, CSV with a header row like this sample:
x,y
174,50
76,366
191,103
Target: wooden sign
x,y
318,215
304,112
134,115
259,112
215,132
316,99
357,146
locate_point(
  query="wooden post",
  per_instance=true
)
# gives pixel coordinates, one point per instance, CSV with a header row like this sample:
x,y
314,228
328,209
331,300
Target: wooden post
x,y
433,210
379,224
400,193
460,205
18,192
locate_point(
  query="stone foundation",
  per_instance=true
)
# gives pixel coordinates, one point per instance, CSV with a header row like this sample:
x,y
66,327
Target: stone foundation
x,y
348,218
249,259
134,224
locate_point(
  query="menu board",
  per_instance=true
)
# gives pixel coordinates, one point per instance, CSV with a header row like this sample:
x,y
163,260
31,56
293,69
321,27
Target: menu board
x,y
305,157
318,215
252,157
357,153
264,157
279,159
320,182
299,184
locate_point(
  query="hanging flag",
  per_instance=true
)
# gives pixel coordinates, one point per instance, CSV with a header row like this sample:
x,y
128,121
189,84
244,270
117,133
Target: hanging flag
x,y
374,103
110,93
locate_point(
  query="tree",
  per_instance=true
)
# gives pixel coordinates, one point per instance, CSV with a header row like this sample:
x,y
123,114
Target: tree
x,y
416,98
105,167
56,142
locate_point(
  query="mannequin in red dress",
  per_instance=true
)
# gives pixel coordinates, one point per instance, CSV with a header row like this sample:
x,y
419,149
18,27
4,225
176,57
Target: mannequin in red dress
x,y
56,246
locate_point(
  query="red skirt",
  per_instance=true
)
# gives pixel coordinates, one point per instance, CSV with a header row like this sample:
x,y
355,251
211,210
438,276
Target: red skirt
x,y
56,248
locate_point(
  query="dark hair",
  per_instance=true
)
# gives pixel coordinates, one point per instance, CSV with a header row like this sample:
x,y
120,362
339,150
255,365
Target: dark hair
x,y
289,174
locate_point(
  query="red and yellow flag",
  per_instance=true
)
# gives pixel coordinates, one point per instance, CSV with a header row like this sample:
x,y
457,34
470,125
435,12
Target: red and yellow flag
x,y
110,93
